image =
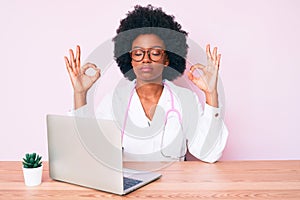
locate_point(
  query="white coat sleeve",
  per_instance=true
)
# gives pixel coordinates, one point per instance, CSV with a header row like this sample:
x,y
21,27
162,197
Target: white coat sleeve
x,y
103,111
210,137
83,111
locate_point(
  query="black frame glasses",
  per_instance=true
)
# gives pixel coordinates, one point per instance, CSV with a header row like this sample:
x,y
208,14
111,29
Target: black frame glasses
x,y
154,54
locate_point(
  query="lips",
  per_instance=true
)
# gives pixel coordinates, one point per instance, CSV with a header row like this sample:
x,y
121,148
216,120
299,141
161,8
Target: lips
x,y
146,69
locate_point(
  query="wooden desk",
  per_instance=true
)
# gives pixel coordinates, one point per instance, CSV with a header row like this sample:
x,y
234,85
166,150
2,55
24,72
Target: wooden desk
x,y
181,180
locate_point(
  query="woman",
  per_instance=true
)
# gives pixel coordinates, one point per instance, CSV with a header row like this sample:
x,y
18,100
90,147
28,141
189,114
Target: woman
x,y
150,49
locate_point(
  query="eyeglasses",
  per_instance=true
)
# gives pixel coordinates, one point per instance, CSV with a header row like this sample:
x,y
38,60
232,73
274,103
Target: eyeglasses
x,y
154,54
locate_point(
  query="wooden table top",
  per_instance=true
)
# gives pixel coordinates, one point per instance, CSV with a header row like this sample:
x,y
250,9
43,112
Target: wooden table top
x,y
181,180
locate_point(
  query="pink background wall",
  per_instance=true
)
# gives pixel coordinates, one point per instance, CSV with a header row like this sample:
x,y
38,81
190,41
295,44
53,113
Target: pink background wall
x,y
259,42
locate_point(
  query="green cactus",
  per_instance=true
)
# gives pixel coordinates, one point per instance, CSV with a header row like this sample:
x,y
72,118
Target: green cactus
x,y
32,160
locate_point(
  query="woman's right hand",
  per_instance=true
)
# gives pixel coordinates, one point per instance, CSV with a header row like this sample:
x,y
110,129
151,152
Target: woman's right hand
x,y
81,82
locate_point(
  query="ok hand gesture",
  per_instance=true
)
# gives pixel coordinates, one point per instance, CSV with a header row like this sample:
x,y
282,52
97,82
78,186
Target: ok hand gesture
x,y
81,82
207,82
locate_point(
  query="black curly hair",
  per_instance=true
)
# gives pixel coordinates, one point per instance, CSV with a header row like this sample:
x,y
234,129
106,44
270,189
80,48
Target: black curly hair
x,y
151,20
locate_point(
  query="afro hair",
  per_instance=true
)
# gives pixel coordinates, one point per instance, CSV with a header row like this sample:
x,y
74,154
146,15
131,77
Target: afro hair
x,y
151,20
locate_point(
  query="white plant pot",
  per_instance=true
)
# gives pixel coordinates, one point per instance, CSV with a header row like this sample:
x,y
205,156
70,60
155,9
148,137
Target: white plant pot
x,y
33,176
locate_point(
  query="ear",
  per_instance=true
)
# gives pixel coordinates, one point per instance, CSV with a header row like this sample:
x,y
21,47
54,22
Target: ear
x,y
166,62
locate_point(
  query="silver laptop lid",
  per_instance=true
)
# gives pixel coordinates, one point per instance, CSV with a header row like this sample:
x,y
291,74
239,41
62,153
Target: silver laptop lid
x,y
81,152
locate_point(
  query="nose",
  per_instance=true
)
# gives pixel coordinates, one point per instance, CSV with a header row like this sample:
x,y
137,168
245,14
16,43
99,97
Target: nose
x,y
146,58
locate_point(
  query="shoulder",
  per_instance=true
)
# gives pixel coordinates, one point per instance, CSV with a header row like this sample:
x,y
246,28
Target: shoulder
x,y
180,91
123,89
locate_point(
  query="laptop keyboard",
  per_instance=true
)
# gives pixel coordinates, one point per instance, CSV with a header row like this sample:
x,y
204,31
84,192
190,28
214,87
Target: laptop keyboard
x,y
129,182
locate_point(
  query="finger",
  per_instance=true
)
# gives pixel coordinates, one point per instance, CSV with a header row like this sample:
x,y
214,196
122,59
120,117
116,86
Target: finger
x,y
214,54
87,66
72,61
190,75
208,54
96,75
200,71
68,64
193,78
197,66
78,56
218,60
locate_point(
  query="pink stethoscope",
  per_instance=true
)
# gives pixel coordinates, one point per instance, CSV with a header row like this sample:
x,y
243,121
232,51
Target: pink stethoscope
x,y
173,109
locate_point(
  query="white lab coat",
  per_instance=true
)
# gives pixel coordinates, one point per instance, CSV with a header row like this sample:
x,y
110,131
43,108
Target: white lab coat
x,y
204,130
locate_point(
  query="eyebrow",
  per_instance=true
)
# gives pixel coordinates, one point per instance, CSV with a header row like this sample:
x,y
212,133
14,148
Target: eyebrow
x,y
138,47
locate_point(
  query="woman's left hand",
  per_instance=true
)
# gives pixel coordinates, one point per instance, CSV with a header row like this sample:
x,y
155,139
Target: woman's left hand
x,y
207,82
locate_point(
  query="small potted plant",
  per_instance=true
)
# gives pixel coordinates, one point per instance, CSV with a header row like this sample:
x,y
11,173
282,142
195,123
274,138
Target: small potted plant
x,y
32,169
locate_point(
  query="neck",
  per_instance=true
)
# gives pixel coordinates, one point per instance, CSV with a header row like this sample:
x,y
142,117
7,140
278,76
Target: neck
x,y
149,90
149,95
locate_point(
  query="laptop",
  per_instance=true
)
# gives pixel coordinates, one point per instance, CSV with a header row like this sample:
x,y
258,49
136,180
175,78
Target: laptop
x,y
88,152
